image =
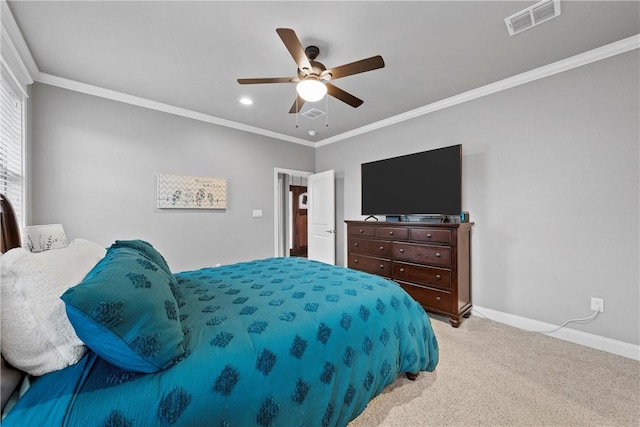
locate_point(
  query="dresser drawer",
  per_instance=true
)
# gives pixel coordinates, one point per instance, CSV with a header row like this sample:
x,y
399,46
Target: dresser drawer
x,y
433,299
430,235
424,254
369,264
365,230
379,248
401,233
421,274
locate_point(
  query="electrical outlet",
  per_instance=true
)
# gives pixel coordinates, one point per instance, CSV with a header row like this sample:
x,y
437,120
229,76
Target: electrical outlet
x,y
597,304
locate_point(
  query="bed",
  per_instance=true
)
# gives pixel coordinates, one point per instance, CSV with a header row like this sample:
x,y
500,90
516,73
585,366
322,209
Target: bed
x,y
269,342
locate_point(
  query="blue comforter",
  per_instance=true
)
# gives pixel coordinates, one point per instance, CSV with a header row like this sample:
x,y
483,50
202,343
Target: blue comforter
x,y
274,342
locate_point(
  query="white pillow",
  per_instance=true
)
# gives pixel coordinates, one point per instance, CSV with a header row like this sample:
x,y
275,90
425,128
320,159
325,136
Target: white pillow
x,y
36,335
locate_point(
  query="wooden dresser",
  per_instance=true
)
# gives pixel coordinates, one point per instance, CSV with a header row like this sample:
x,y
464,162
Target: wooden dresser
x,y
430,261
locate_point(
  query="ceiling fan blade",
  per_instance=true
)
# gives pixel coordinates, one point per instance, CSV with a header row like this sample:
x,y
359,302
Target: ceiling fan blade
x,y
293,45
361,66
343,96
268,80
297,105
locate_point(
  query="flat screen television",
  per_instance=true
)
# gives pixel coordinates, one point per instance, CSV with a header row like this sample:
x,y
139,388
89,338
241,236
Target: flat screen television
x,y
426,183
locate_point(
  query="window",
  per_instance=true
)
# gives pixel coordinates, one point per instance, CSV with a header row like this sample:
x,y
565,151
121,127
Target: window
x,y
11,145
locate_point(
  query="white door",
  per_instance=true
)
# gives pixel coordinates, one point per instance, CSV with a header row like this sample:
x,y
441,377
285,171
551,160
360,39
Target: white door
x,y
321,216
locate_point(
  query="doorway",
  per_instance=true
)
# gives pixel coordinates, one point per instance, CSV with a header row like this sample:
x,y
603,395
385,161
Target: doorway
x,y
290,218
298,211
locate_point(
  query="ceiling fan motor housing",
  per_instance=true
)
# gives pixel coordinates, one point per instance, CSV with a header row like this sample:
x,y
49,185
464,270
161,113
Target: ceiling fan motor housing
x,y
318,70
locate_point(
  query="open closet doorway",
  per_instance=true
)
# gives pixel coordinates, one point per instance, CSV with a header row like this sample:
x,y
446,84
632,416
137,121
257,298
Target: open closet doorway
x,y
298,202
290,208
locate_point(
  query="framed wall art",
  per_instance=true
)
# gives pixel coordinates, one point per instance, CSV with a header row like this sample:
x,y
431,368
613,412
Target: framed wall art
x,y
191,192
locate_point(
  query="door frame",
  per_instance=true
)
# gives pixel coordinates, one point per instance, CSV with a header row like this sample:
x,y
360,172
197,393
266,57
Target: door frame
x,y
278,231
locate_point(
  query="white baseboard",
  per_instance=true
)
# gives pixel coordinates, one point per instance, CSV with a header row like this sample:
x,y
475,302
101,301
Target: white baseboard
x,y
609,345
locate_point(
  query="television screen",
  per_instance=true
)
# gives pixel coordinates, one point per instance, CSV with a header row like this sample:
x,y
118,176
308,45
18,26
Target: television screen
x,y
425,183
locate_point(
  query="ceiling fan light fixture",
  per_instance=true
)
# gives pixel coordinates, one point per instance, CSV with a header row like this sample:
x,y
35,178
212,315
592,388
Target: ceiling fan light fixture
x,y
311,90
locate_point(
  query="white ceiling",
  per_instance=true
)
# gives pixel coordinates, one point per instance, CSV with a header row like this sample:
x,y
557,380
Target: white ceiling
x,y
189,54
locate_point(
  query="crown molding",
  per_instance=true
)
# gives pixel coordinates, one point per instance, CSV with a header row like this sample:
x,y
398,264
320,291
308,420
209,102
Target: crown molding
x,y
159,106
616,48
14,51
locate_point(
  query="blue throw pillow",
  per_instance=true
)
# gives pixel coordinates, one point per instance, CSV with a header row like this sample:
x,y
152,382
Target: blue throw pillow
x,y
125,311
145,249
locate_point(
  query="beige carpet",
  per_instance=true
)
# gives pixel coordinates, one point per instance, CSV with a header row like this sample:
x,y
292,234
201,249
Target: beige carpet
x,y
492,374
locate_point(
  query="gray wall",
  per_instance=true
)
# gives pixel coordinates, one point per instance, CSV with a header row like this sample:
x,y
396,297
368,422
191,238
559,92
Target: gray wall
x,y
94,164
550,178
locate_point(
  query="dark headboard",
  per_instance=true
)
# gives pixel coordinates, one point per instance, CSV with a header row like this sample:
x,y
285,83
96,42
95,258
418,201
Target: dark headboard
x,y
9,239
10,232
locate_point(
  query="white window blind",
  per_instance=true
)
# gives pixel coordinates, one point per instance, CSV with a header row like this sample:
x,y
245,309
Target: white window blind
x,y
11,146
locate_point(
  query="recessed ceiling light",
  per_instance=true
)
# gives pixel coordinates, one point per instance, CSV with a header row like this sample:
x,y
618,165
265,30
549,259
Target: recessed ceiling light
x,y
246,101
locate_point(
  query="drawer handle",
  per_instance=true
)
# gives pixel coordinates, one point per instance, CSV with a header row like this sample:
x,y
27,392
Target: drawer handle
x,y
438,299
437,277
355,261
382,248
428,235
381,265
391,233
438,255
401,250
356,244
361,231
402,270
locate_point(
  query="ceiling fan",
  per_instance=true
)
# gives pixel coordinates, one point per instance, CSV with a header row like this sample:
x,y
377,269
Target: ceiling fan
x,y
314,76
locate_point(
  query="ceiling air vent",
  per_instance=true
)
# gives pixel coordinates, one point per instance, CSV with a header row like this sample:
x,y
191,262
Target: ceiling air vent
x,y
532,16
313,113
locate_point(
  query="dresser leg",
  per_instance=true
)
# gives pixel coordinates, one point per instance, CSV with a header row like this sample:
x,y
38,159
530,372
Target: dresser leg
x,y
455,321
